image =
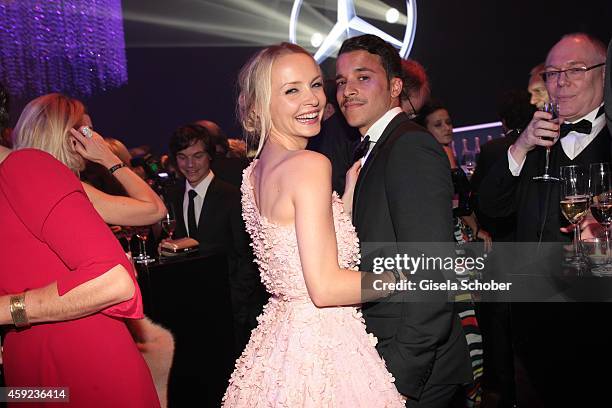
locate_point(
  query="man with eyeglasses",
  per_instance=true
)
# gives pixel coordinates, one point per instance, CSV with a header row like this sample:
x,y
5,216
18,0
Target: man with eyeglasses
x,y
416,91
562,346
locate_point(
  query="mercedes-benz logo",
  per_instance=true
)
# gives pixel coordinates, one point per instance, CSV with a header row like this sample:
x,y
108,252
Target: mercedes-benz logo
x,y
349,24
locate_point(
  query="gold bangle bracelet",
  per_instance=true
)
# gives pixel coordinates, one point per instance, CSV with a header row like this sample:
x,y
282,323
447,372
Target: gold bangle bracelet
x,y
18,310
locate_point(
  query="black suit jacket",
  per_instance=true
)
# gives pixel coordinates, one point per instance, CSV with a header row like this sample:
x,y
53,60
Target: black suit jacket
x,y
337,141
500,228
404,195
221,230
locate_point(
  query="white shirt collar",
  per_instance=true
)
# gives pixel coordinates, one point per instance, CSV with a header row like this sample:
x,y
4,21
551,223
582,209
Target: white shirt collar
x,y
202,186
574,143
376,130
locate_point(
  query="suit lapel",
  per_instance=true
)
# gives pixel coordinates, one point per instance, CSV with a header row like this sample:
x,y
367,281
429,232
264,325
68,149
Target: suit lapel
x,y
395,122
211,200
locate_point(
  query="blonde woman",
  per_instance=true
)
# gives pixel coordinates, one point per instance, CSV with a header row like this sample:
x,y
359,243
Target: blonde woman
x,y
304,353
64,268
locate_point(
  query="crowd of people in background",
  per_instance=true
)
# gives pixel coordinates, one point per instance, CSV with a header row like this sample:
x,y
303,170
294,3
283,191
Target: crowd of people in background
x,y
387,140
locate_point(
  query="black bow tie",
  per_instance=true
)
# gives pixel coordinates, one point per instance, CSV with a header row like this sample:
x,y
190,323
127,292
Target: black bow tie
x,y
362,149
582,126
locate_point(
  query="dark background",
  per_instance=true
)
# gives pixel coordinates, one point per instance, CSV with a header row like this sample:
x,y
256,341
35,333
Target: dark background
x,y
472,50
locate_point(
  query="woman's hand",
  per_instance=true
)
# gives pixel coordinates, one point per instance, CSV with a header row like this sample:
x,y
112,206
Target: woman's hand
x,y
93,149
349,187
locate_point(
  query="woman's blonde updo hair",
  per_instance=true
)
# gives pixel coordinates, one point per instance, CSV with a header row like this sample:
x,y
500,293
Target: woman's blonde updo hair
x,y
255,88
45,124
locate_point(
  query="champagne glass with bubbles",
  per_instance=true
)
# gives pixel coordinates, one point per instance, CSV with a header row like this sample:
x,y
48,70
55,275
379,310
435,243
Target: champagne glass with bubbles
x,y
574,203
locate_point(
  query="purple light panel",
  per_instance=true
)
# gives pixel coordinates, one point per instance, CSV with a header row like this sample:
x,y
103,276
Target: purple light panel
x,y
71,46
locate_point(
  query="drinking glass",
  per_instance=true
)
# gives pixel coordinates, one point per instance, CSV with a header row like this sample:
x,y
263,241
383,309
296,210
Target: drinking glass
x,y
469,162
142,234
168,224
553,108
574,203
597,250
600,188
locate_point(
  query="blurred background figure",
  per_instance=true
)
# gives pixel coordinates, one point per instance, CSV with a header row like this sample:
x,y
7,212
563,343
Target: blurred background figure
x,y
536,87
416,91
119,149
229,156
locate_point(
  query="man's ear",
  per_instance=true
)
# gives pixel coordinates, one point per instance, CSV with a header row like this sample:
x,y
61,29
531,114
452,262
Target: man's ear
x,y
396,87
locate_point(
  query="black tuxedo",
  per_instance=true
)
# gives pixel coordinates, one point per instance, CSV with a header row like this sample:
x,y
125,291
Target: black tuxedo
x,y
563,346
404,194
221,231
500,228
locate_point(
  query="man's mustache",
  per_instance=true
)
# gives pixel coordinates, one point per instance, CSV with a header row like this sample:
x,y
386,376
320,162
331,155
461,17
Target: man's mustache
x,y
352,100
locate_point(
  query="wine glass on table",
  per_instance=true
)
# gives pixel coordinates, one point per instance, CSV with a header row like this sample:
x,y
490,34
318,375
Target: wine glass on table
x,y
142,233
551,107
600,188
168,224
574,204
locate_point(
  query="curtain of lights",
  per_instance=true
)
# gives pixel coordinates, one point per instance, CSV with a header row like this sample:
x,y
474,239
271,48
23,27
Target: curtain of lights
x,y
71,46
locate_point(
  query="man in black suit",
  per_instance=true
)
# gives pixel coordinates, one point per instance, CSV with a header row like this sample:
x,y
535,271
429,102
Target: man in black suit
x,y
209,210
403,195
546,333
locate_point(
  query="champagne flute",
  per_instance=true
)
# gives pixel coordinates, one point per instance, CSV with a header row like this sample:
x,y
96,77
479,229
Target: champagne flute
x,y
551,107
574,204
600,188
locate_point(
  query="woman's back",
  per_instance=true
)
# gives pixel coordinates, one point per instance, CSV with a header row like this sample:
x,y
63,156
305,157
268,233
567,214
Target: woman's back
x,y
275,244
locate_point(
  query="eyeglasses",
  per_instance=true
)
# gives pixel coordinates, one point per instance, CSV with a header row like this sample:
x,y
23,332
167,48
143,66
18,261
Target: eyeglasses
x,y
414,112
571,74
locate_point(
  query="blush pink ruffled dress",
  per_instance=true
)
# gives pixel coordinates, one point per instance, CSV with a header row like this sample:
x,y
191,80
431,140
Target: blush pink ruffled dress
x,y
301,355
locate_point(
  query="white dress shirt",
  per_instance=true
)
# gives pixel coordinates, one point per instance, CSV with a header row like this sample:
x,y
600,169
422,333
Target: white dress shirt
x,y
573,144
376,130
198,200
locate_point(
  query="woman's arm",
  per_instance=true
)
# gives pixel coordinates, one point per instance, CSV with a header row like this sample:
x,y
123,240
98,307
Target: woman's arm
x,y
46,305
327,283
142,207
